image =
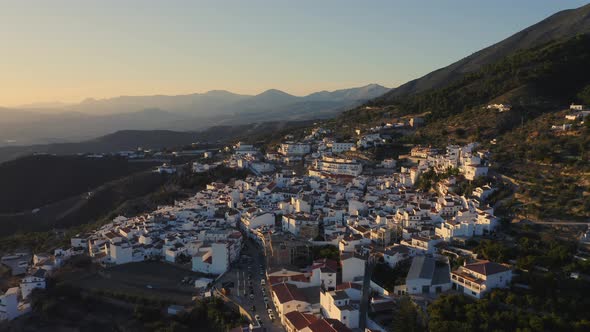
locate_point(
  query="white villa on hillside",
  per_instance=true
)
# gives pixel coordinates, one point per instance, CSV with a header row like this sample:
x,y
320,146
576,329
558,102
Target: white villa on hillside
x,y
478,278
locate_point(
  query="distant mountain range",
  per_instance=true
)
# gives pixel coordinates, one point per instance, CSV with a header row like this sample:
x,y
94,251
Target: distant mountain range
x,y
125,140
92,118
562,25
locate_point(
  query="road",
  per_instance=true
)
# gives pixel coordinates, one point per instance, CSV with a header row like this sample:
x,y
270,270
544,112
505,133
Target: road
x,y
364,307
553,223
240,293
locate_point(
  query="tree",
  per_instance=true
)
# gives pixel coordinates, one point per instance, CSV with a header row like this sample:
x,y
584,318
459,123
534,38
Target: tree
x,y
408,318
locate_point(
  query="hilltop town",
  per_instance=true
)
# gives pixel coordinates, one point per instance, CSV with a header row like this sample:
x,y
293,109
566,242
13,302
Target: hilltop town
x,y
457,201
317,235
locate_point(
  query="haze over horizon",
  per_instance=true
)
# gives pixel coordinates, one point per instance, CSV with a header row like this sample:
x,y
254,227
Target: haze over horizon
x,y
54,52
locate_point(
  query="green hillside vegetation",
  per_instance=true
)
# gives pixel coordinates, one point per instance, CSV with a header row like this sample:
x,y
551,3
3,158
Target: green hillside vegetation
x,y
534,80
550,168
557,70
63,308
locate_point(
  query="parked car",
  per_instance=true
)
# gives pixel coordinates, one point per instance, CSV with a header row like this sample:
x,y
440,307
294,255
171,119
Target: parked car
x,y
271,317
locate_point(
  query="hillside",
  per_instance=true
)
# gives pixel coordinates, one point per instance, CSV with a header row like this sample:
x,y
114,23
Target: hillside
x,y
546,76
545,166
562,25
35,181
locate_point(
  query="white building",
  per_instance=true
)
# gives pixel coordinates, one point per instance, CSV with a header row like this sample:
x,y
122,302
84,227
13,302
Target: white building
x,y
396,254
336,166
33,281
10,308
388,163
478,278
338,305
121,253
428,276
338,147
212,260
294,149
472,172
353,267
166,169
287,298
324,273
202,168
254,221
245,149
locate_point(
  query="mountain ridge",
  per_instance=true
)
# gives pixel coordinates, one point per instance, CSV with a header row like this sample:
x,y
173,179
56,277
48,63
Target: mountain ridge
x,y
182,112
563,24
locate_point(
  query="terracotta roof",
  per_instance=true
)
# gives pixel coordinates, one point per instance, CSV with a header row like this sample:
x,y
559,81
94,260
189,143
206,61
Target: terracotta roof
x,y
288,292
328,325
277,279
486,268
300,320
325,263
347,285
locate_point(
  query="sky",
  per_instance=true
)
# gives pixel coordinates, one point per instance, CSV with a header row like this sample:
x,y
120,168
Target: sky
x,y
67,51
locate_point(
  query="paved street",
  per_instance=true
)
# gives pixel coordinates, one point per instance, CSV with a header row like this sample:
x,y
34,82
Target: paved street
x,y
245,286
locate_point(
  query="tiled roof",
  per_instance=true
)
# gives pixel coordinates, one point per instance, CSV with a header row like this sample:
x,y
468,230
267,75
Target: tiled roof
x,y
486,268
300,320
328,325
287,292
347,285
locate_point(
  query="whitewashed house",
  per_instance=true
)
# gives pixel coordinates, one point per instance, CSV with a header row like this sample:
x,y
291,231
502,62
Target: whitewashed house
x,y
476,279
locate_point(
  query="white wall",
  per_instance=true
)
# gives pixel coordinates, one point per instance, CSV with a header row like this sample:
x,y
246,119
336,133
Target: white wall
x,y
352,268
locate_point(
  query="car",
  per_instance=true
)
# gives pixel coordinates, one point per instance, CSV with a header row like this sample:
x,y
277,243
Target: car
x,y
271,317
253,308
263,292
257,317
269,311
251,296
149,286
262,282
265,299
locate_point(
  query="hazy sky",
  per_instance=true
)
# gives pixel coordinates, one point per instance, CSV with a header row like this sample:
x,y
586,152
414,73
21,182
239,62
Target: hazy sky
x,y
57,50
